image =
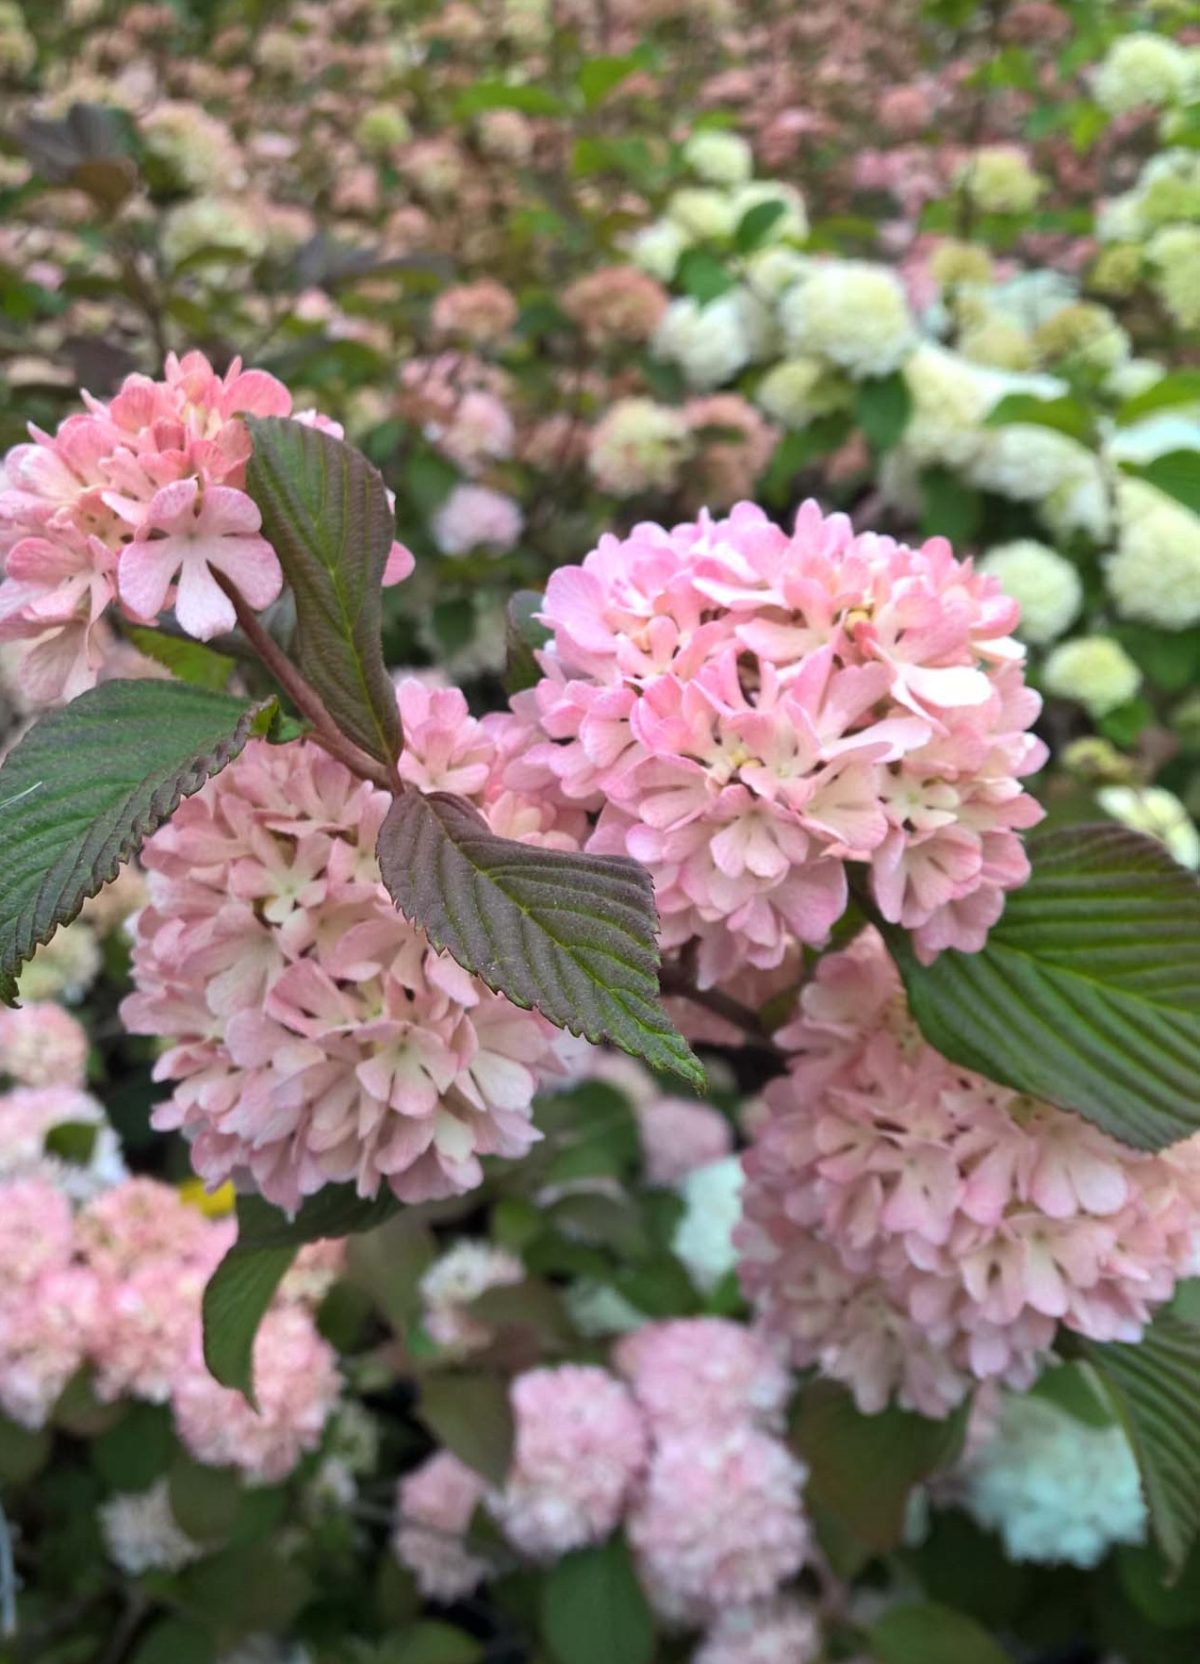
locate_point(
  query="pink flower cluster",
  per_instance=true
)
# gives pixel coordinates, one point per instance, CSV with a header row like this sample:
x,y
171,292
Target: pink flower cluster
x,y
717,1521
679,1135
912,1228
117,1287
316,1036
41,1044
748,710
435,1504
139,502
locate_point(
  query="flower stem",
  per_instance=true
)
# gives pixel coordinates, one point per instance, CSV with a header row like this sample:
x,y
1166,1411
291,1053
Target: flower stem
x,y
305,697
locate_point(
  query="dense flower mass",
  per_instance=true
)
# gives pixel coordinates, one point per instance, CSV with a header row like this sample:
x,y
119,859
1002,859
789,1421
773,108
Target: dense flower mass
x,y
750,710
316,1037
434,1507
580,1448
139,502
913,1228
704,1371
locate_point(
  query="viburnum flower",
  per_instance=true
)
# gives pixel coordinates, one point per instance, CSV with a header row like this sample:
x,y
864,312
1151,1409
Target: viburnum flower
x,y
748,710
579,1450
29,1114
718,1521
703,1372
678,1136
142,1534
296,1386
434,1507
776,1632
912,1228
42,1045
452,1282
316,1036
137,502
49,1305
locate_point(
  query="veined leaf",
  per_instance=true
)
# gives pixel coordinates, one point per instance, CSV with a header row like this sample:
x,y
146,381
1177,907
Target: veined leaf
x,y
1155,1387
325,511
1176,473
1065,415
1088,991
594,1610
88,784
572,935
470,1413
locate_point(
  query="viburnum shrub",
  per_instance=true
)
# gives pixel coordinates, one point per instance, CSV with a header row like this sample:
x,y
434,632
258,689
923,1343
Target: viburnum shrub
x,y
774,772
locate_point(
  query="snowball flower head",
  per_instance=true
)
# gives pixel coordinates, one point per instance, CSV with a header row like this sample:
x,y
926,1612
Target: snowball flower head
x,y
638,446
852,313
452,1282
703,213
718,157
65,967
434,1507
713,341
703,1239
718,1521
296,1384
1059,1491
656,248
748,709
476,517
30,1114
999,179
42,1045
316,1037
796,390
678,1136
703,1372
141,1534
1158,813
1174,254
50,1306
142,500
1142,71
911,1228
616,304
1047,588
1154,574
580,1448
781,1631
950,400
1095,671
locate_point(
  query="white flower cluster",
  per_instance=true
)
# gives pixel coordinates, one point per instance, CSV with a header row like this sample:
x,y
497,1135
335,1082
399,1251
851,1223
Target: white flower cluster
x,y
1058,1490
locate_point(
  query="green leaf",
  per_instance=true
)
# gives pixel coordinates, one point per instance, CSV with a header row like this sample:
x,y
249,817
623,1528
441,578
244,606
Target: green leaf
x,y
594,1611
1177,474
1180,387
205,1501
949,507
190,660
524,636
703,276
325,511
755,225
1155,1387
134,1452
235,1303
600,76
23,1453
572,935
929,1634
862,1468
1064,415
90,782
243,1285
502,95
172,1641
432,1642
1088,991
247,1588
883,408
471,1415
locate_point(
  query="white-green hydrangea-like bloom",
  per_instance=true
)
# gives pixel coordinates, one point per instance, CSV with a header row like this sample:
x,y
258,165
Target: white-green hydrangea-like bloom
x,y
141,1533
1142,71
1174,254
713,1208
1154,576
791,225
65,967
210,222
1027,462
797,390
1046,587
713,342
638,446
949,402
703,212
1059,1491
999,179
1159,814
771,270
656,248
1095,671
852,313
718,157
